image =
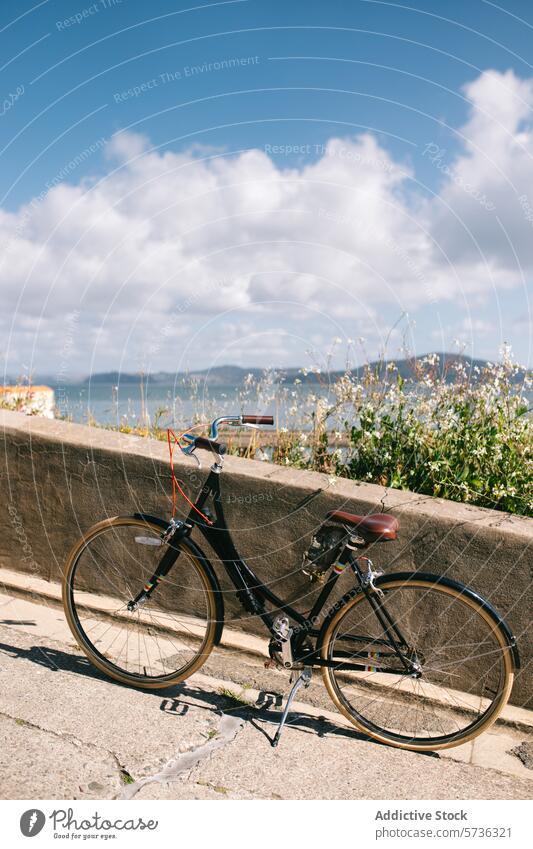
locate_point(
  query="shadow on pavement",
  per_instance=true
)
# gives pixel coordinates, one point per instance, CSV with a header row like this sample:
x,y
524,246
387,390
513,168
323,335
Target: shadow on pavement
x,y
175,699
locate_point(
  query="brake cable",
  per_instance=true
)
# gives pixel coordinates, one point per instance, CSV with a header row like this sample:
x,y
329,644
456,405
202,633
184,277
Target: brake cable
x,y
176,486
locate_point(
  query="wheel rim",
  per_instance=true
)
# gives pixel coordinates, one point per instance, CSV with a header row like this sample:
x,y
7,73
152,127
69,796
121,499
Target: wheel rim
x,y
165,638
464,658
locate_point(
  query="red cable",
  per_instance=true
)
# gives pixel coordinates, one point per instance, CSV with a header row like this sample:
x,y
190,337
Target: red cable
x,y
175,482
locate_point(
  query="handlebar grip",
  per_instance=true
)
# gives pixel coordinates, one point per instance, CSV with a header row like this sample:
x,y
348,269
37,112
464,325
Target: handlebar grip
x,y
260,420
209,444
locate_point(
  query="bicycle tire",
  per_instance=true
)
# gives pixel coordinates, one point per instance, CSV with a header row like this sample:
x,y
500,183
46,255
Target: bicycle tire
x,y
93,605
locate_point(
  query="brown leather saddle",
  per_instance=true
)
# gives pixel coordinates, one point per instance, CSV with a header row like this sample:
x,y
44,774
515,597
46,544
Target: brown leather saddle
x,y
376,527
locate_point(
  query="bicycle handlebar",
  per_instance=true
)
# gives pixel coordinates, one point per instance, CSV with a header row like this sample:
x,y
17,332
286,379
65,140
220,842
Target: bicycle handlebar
x,y
247,420
209,444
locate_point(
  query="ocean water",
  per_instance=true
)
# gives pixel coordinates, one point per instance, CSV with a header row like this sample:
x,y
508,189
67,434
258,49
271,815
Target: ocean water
x,y
174,405
167,404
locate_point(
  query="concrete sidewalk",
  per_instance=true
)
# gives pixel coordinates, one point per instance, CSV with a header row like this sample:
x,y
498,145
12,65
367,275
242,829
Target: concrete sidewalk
x,y
69,733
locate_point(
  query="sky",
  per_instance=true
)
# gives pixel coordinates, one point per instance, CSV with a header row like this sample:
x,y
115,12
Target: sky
x,y
263,183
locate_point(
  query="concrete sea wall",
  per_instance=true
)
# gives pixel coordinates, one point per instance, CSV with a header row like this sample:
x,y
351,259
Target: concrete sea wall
x,y
57,479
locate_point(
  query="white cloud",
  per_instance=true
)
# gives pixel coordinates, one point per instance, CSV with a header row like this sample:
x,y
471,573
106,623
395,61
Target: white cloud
x,y
480,217
173,239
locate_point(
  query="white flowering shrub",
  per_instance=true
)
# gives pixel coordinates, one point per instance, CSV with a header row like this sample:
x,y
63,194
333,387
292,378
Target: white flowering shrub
x,y
457,435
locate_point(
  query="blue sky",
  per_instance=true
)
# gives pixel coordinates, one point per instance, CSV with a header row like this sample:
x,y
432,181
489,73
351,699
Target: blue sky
x,y
188,185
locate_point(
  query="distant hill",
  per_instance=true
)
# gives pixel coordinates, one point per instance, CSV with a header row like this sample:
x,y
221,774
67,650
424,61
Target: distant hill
x,y
114,377
235,375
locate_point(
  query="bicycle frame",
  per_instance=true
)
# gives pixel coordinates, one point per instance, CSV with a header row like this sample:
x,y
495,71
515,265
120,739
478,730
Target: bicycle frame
x,y
249,589
253,594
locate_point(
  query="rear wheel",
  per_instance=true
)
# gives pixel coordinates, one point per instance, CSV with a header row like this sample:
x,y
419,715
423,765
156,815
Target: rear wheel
x,y
462,660
165,639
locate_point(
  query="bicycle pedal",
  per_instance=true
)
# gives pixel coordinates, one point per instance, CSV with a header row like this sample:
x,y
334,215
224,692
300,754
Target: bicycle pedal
x,y
267,699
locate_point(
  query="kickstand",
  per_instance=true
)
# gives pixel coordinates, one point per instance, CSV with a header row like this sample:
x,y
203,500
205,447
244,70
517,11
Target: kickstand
x,y
305,679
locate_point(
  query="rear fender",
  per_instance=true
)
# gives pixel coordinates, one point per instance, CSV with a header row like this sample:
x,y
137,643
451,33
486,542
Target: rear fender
x,y
437,579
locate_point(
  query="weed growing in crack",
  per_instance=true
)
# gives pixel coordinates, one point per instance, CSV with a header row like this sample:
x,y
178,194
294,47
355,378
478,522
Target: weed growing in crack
x,y
236,699
125,777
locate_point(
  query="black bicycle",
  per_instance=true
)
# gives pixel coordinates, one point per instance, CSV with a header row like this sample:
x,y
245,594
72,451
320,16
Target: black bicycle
x,y
411,659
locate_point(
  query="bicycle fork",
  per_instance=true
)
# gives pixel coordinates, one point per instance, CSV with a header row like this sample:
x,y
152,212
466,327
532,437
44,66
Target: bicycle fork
x,y
175,531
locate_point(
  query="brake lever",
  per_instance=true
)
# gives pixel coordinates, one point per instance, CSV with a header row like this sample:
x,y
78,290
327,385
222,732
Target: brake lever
x,y
239,423
189,451
198,461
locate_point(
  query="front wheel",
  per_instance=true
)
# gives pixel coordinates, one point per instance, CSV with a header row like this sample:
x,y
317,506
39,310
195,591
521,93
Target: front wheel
x,y
426,669
163,640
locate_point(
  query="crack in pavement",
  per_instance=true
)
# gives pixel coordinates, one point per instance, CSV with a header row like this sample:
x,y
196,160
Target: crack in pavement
x,y
228,729
60,735
70,738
